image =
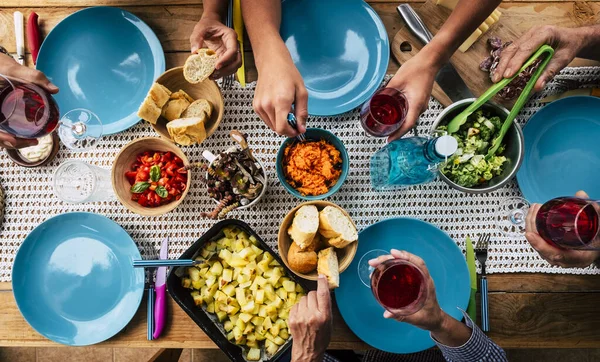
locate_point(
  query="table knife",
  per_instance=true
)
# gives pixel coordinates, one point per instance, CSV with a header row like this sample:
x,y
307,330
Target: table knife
x,y
34,37
447,78
160,287
472,308
20,36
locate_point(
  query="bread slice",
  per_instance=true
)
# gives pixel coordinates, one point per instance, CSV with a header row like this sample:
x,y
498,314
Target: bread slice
x,y
181,94
200,66
304,226
197,108
149,111
159,94
187,131
328,266
336,226
174,108
301,261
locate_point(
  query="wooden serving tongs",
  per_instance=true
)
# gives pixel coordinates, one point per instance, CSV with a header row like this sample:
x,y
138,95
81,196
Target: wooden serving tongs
x,y
461,118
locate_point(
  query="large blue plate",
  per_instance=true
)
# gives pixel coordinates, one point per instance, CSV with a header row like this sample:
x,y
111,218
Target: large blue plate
x,y
74,281
561,150
341,49
103,59
446,265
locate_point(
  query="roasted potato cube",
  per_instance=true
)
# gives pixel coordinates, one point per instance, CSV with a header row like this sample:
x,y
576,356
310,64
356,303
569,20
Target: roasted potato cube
x,y
252,238
232,309
230,336
186,283
289,286
278,341
228,326
240,324
210,308
245,285
268,257
267,324
228,275
216,269
253,354
237,262
284,334
237,332
194,273
221,316
281,293
248,307
271,347
256,250
225,255
260,296
270,292
245,317
230,232
274,330
249,329
197,284
229,290
197,298
299,289
251,344
262,312
210,281
240,295
263,266
246,253
257,320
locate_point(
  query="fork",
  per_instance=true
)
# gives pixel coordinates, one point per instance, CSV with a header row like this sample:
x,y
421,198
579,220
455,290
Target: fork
x,y
481,251
228,80
292,122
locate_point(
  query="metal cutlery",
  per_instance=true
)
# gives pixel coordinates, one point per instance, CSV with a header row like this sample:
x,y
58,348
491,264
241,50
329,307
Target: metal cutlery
x,y
165,263
20,36
291,119
481,251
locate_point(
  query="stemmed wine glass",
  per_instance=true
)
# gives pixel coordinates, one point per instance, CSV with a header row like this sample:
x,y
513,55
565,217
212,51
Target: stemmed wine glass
x,y
29,111
565,222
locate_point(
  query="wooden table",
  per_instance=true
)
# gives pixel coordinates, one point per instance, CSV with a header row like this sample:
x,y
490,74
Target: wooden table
x,y
526,310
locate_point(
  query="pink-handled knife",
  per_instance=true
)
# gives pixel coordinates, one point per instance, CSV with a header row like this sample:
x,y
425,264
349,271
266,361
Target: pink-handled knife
x,y
160,306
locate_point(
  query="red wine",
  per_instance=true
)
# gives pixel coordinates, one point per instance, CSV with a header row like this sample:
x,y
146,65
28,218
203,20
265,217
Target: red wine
x,y
397,286
568,222
27,110
384,113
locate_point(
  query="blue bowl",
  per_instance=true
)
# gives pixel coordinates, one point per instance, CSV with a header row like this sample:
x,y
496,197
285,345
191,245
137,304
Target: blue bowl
x,y
315,134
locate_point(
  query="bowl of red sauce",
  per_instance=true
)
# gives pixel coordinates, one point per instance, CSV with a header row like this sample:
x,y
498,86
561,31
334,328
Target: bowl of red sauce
x,y
149,176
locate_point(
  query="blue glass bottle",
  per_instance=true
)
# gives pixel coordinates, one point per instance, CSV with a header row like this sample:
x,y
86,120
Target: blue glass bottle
x,y
409,161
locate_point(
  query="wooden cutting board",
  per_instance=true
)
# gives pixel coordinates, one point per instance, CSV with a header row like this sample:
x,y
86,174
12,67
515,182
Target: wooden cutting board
x,y
406,46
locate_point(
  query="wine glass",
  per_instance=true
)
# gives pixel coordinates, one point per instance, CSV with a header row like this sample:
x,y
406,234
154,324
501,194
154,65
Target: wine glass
x,y
384,113
564,222
29,111
398,285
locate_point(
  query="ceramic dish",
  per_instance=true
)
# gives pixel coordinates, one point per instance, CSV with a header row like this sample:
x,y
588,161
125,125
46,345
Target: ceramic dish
x,y
209,325
340,48
73,279
16,156
345,255
122,164
103,59
561,151
513,140
446,265
173,79
314,134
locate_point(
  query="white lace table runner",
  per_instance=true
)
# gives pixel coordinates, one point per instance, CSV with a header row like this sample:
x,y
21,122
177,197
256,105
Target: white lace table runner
x,y
30,200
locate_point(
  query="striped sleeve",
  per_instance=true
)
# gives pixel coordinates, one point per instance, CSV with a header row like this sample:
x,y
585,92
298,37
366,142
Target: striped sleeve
x,y
479,347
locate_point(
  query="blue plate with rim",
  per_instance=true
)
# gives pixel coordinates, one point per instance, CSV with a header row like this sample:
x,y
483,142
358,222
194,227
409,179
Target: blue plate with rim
x,y
561,150
103,59
341,49
73,278
446,265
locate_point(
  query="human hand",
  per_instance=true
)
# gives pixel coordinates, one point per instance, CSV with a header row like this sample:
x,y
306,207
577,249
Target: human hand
x,y
9,67
210,32
566,42
415,80
311,325
562,257
280,86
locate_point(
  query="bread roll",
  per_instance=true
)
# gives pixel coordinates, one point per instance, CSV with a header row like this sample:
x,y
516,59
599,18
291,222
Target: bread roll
x,y
187,131
301,261
197,108
149,111
200,65
304,226
337,227
328,265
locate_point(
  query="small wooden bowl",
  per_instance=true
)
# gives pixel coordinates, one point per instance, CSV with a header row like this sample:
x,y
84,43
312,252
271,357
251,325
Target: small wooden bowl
x,y
127,157
17,158
345,255
208,89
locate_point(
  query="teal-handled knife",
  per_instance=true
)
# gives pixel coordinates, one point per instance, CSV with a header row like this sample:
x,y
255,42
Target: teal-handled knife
x,y
472,308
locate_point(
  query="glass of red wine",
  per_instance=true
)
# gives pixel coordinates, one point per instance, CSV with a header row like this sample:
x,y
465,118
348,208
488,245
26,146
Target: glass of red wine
x,y
384,113
398,285
29,111
564,222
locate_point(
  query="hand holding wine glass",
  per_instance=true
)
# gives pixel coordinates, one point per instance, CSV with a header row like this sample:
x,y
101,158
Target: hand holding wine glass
x,y
566,258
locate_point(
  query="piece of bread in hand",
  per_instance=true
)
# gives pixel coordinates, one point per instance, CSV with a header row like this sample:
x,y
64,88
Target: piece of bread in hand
x,y
149,111
200,65
328,265
197,108
337,227
304,226
159,94
301,261
187,131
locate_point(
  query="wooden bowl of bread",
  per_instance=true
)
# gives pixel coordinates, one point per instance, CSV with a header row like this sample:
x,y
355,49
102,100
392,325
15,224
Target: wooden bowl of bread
x,y
123,163
182,112
318,237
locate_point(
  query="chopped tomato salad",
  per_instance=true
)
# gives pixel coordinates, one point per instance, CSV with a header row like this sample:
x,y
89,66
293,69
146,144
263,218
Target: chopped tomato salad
x,y
157,178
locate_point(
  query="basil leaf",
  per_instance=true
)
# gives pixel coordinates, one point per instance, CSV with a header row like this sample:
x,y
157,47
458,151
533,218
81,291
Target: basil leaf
x,y
154,173
161,191
140,187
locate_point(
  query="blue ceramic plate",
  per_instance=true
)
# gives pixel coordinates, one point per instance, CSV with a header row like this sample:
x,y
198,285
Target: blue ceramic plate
x,y
103,59
446,265
341,49
74,281
561,150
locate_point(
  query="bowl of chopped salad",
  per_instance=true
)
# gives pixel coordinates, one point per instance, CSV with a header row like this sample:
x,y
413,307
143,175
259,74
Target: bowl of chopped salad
x,y
468,170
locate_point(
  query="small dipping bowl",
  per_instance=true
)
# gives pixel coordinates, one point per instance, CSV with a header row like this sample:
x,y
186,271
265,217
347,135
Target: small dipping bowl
x,y
17,158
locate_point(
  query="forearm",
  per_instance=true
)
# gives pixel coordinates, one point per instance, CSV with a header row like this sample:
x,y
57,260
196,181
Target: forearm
x,y
451,332
463,21
262,19
590,48
214,9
